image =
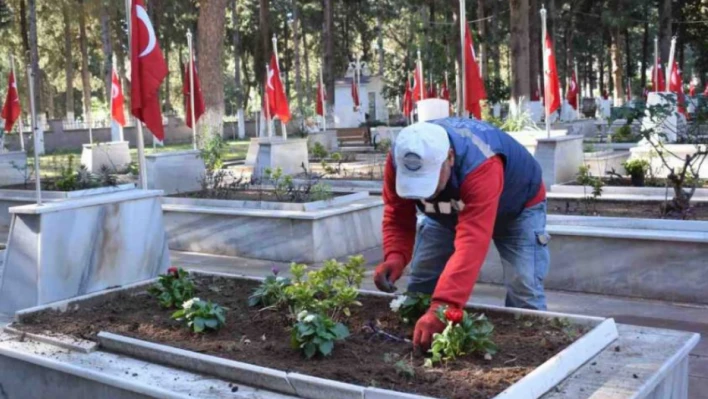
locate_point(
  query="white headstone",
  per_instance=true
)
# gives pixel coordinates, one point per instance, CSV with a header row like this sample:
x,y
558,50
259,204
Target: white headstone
x,y
433,108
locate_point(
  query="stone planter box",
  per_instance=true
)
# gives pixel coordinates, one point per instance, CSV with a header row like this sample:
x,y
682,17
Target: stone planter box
x,y
641,258
374,187
384,133
308,233
290,155
602,162
11,197
584,127
560,158
358,168
613,146
529,138
64,249
630,193
175,172
601,333
115,155
13,167
328,139
679,150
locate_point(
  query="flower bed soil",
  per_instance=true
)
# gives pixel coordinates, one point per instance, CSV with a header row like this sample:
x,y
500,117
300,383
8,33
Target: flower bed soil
x,y
625,209
627,182
246,195
263,338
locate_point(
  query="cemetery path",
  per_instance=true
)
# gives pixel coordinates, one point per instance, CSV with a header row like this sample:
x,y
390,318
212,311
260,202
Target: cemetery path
x,y
674,316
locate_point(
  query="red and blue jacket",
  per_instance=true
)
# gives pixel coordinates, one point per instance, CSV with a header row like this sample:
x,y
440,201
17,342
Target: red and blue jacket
x,y
493,179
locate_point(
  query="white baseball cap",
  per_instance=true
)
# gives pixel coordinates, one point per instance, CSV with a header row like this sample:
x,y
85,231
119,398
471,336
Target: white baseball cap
x,y
419,152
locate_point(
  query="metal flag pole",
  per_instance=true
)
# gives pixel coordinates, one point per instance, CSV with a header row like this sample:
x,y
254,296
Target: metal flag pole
x,y
656,64
422,79
14,76
138,124
462,99
192,115
88,110
545,67
277,61
35,128
357,81
579,88
120,85
324,103
670,66
267,105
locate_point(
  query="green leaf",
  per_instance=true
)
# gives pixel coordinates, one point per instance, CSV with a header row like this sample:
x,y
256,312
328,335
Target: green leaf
x,y
198,324
178,314
341,331
212,323
326,348
310,350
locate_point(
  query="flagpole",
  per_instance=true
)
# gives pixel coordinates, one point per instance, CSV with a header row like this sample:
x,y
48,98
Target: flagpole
x,y
277,61
545,67
656,64
115,70
138,124
422,78
191,90
14,77
579,90
38,186
88,110
462,100
267,105
324,103
672,56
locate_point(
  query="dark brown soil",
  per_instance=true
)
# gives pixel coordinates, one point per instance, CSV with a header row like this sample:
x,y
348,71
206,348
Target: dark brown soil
x,y
263,338
252,195
625,209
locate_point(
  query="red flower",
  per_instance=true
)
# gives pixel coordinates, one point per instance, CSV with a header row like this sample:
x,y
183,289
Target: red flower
x,y
454,315
173,271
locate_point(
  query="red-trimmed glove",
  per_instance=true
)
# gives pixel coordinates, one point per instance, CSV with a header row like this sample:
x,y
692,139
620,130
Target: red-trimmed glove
x,y
387,273
426,326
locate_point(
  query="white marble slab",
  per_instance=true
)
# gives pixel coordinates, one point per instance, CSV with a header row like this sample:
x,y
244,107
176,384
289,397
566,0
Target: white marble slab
x,y
328,139
289,155
675,156
61,250
634,193
12,167
175,172
267,205
560,157
114,155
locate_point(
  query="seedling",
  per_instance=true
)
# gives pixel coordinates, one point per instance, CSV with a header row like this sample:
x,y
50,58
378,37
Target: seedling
x,y
173,288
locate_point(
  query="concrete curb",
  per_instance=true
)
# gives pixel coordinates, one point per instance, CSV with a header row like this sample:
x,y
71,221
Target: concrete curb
x,y
62,341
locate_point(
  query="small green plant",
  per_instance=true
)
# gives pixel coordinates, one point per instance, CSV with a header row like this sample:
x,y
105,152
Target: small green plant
x,y
519,121
464,334
271,292
212,152
624,135
637,170
411,306
201,315
318,151
316,334
282,184
586,179
337,168
403,367
321,192
384,146
173,288
589,147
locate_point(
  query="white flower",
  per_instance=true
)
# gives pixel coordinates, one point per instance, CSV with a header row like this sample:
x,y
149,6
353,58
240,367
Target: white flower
x,y
188,304
309,318
301,315
397,302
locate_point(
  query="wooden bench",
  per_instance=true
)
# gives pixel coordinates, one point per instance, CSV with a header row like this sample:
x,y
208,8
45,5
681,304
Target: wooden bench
x,y
355,135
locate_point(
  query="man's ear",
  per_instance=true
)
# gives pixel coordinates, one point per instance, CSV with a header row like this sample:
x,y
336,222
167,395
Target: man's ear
x,y
451,156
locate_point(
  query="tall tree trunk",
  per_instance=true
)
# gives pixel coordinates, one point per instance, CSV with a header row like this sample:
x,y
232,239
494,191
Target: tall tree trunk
x,y
306,56
483,46
617,75
68,62
298,68
85,73
167,50
236,41
664,29
536,61
34,55
262,55
328,40
107,48
210,46
569,52
628,56
380,41
645,47
285,63
521,85
24,30
494,38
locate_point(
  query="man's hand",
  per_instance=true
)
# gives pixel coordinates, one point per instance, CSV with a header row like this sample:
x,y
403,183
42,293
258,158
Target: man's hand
x,y
389,272
426,326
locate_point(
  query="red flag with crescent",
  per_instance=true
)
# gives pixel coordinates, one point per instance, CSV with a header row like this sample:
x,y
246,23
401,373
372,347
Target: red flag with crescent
x,y
117,112
11,111
148,70
321,98
552,87
198,98
277,100
572,92
474,85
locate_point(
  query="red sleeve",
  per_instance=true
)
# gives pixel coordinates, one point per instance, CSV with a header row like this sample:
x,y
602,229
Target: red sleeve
x,y
480,193
399,221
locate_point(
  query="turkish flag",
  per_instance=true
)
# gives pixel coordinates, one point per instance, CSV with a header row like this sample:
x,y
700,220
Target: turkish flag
x,y
321,98
572,93
117,100
408,99
657,76
148,70
692,89
12,109
199,107
551,95
355,92
676,86
418,82
277,101
431,91
445,92
474,86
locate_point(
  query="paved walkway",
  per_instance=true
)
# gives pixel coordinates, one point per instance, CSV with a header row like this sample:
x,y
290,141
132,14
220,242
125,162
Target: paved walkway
x,y
627,311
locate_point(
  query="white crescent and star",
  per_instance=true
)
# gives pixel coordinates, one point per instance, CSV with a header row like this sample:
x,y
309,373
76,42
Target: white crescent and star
x,y
152,40
270,78
114,91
